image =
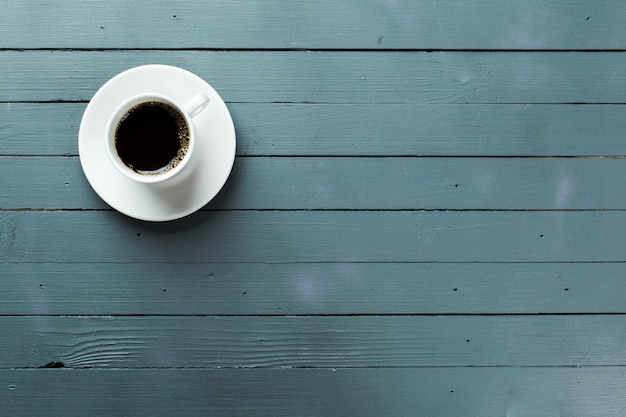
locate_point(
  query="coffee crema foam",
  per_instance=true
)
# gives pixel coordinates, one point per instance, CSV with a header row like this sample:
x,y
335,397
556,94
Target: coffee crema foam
x,y
152,138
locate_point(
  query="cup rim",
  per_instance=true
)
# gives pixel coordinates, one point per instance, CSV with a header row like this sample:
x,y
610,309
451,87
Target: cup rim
x,y
111,126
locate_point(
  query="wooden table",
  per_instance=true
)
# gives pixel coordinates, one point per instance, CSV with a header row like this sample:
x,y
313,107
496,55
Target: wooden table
x,y
426,215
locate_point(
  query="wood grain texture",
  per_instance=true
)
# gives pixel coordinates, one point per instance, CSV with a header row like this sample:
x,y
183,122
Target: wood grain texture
x,y
404,233
447,392
314,341
355,183
353,24
316,236
334,77
267,129
311,288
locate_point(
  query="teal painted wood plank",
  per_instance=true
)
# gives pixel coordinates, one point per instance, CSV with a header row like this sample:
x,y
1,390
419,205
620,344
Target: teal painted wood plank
x,y
334,77
311,288
354,183
485,24
414,129
316,236
446,392
313,342
265,129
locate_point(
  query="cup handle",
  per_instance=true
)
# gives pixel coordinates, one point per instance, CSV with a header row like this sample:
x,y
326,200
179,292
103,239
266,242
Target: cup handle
x,y
197,104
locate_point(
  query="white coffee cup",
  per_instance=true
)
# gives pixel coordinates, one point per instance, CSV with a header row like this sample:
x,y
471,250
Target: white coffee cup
x,y
165,111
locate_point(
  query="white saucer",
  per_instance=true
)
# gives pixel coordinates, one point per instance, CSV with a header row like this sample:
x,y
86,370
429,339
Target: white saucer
x,y
215,145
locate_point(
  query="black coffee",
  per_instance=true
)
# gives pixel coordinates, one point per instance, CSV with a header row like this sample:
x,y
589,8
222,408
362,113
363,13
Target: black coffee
x,y
152,137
